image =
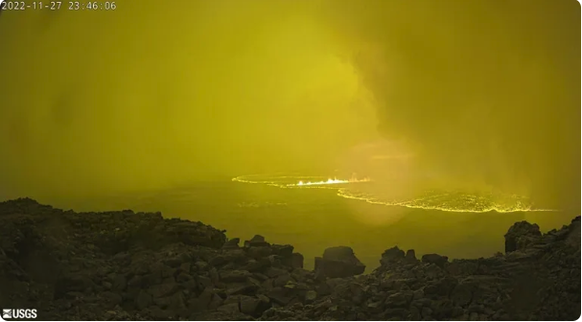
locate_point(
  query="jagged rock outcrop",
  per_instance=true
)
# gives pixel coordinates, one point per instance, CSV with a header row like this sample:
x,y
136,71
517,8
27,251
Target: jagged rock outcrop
x,y
339,261
140,266
520,235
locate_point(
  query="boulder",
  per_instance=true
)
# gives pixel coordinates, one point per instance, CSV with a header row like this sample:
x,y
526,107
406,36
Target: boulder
x,y
230,308
258,252
392,255
282,250
191,233
207,300
257,265
119,283
411,256
436,259
521,235
242,289
72,283
110,299
165,289
254,306
573,235
256,241
339,262
143,300
297,260
231,244
280,295
234,276
274,272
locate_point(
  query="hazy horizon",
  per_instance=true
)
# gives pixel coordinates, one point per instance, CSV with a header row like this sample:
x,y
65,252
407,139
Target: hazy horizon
x,y
314,219
476,95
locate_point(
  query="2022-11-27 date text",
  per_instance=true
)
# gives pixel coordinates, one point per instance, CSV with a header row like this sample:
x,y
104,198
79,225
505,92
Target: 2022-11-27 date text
x,y
58,5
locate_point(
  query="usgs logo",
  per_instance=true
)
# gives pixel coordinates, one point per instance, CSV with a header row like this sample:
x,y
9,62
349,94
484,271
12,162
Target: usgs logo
x,y
18,314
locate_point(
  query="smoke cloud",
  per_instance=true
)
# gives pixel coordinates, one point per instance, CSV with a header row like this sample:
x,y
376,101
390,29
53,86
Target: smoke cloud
x,y
147,96
486,92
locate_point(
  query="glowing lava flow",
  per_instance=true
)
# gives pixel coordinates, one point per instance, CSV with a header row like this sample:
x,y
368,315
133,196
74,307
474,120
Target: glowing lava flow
x,y
279,181
450,201
329,181
453,202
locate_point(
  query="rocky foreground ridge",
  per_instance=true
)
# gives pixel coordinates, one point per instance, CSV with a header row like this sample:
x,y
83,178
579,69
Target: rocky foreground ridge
x,y
139,266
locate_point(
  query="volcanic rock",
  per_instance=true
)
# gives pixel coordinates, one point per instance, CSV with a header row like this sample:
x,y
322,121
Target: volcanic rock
x,y
436,259
140,266
256,241
392,255
297,260
231,244
339,262
520,235
411,256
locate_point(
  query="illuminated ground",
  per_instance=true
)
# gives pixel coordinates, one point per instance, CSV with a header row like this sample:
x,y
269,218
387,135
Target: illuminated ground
x,y
443,200
313,217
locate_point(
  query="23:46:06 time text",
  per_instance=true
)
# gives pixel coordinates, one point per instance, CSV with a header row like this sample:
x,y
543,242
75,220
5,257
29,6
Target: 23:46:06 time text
x,y
57,5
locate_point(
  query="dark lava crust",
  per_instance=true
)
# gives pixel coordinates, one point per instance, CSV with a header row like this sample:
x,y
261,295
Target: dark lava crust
x,y
139,266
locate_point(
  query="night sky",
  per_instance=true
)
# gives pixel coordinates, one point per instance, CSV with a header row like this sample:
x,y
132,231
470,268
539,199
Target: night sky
x,y
154,94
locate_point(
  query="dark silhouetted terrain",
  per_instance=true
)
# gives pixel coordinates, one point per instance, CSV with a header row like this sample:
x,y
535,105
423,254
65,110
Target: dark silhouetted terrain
x,y
313,219
140,266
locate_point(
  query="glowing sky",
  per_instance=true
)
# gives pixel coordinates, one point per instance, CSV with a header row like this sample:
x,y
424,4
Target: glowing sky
x,y
152,95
